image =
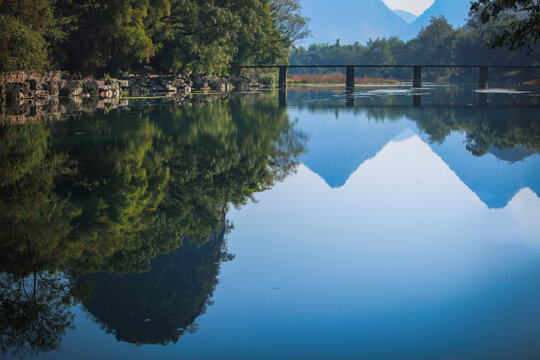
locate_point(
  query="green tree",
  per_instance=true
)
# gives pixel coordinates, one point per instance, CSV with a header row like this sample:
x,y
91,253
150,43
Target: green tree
x,y
106,36
433,45
27,30
197,37
523,31
289,22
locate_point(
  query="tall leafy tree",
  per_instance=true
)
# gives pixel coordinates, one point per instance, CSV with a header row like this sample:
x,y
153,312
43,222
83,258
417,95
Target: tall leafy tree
x,y
197,37
27,30
288,21
107,36
433,45
524,31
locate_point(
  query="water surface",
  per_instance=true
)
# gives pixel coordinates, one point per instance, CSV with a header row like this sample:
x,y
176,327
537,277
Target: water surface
x,y
380,224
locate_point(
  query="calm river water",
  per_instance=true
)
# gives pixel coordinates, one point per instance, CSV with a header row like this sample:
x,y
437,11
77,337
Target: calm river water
x,y
383,224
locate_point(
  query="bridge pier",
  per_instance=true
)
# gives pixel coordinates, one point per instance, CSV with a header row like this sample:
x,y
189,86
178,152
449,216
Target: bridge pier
x,y
483,77
417,77
283,77
349,83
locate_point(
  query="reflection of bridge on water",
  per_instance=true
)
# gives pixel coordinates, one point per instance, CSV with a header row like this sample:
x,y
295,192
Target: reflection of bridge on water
x,y
483,71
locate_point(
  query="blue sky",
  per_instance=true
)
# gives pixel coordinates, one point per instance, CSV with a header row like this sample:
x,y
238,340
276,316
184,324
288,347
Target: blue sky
x,y
417,7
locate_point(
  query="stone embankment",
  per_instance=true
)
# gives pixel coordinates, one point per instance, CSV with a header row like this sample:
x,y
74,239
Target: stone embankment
x,y
36,96
20,87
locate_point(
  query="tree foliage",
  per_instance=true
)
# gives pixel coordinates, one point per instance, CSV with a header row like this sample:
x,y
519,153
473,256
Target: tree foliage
x,y
28,28
522,32
437,43
109,36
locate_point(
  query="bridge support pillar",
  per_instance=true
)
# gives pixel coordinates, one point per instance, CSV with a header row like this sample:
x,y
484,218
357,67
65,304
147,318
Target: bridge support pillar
x,y
283,77
417,77
349,83
483,77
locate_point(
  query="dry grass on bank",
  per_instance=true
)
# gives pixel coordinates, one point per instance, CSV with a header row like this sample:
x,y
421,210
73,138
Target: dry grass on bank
x,y
336,78
534,82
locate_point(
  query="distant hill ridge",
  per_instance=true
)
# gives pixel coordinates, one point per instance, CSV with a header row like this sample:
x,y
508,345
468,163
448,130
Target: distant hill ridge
x,y
405,15
353,21
455,11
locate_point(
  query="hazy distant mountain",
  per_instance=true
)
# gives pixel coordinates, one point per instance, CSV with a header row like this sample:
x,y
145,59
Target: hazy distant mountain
x,y
455,11
405,15
350,20
360,20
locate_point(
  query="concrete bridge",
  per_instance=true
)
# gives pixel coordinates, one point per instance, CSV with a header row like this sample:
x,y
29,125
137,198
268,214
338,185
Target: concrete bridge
x,y
416,71
483,71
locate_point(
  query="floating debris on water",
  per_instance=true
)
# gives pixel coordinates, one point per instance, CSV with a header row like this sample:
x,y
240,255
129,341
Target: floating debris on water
x,y
501,91
389,91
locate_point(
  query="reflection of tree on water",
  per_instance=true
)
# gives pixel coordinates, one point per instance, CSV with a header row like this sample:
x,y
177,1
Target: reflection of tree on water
x,y
143,183
125,188
158,306
469,139
34,313
504,125
34,298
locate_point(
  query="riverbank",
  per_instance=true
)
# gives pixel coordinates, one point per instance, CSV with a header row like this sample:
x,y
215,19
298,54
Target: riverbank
x,y
22,88
32,111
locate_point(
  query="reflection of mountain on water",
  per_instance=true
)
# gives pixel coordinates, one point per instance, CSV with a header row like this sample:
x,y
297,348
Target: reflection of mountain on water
x,y
517,153
338,147
494,180
161,305
341,142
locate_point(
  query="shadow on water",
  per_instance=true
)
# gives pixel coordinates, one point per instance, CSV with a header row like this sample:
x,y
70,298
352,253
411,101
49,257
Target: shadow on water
x,y
160,305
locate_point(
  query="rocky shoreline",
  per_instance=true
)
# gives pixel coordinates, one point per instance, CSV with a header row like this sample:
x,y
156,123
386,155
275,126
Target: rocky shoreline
x,y
34,87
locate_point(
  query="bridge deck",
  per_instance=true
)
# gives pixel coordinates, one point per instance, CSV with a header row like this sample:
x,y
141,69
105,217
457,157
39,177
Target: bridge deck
x,y
388,66
417,73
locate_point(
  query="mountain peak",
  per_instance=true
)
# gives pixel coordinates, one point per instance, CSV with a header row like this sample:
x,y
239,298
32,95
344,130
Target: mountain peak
x,y
408,17
351,21
455,11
